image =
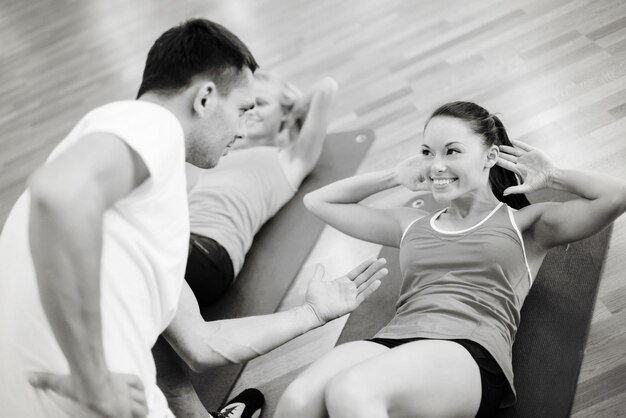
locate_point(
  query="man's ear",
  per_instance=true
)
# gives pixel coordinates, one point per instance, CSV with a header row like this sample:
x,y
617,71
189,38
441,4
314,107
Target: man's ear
x,y
492,156
205,98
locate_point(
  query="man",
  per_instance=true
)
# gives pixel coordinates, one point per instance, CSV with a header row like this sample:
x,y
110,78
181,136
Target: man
x,y
93,253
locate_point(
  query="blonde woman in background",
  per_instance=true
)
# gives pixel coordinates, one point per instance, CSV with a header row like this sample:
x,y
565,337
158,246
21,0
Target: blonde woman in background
x,y
229,204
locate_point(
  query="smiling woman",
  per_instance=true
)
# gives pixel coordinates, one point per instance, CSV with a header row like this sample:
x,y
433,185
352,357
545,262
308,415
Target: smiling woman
x,y
466,270
466,120
275,120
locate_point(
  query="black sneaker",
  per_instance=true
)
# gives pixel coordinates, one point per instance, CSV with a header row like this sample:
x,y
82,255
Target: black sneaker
x,y
247,404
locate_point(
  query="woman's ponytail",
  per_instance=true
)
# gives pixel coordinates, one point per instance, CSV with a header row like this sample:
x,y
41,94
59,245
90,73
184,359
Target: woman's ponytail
x,y
501,178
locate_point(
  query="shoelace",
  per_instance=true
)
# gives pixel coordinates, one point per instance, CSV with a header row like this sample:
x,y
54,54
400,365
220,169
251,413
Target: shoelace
x,y
227,412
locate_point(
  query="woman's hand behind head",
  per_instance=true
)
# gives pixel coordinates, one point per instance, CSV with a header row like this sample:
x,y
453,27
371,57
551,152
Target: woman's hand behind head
x,y
412,173
531,165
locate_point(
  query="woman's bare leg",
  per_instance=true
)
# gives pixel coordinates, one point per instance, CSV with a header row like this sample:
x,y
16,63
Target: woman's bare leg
x,y
425,378
304,398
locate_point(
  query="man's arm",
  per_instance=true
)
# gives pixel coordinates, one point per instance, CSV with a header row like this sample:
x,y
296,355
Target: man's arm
x,y
302,154
208,344
69,196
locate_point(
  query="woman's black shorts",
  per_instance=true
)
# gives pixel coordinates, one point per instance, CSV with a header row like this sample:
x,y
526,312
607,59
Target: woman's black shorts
x,y
492,379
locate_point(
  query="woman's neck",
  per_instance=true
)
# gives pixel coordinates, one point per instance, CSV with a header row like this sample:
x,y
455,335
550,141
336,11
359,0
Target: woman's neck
x,y
469,206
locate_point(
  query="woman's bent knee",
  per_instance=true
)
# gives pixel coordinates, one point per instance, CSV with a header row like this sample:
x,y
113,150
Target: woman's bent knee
x,y
298,400
347,395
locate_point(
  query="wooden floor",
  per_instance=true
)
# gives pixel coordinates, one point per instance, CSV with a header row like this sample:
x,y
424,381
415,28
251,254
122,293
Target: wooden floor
x,y
554,69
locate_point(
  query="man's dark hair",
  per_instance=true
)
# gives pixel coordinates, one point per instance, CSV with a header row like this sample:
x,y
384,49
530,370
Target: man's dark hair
x,y
197,47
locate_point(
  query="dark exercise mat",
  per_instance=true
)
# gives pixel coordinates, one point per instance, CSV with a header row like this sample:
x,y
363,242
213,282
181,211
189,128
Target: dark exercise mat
x,y
278,252
556,317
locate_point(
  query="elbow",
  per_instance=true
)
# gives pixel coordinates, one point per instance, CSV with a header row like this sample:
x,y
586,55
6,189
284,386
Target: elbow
x,y
621,199
329,90
618,205
200,362
198,365
616,201
324,91
316,202
331,85
310,202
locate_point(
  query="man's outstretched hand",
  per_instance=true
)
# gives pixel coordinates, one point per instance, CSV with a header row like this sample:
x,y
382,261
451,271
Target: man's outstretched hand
x,y
335,298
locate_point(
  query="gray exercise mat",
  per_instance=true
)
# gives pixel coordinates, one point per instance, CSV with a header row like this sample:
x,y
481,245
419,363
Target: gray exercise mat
x,y
556,317
278,252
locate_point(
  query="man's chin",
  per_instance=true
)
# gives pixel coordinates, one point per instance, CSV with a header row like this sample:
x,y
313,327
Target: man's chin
x,y
239,144
205,165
